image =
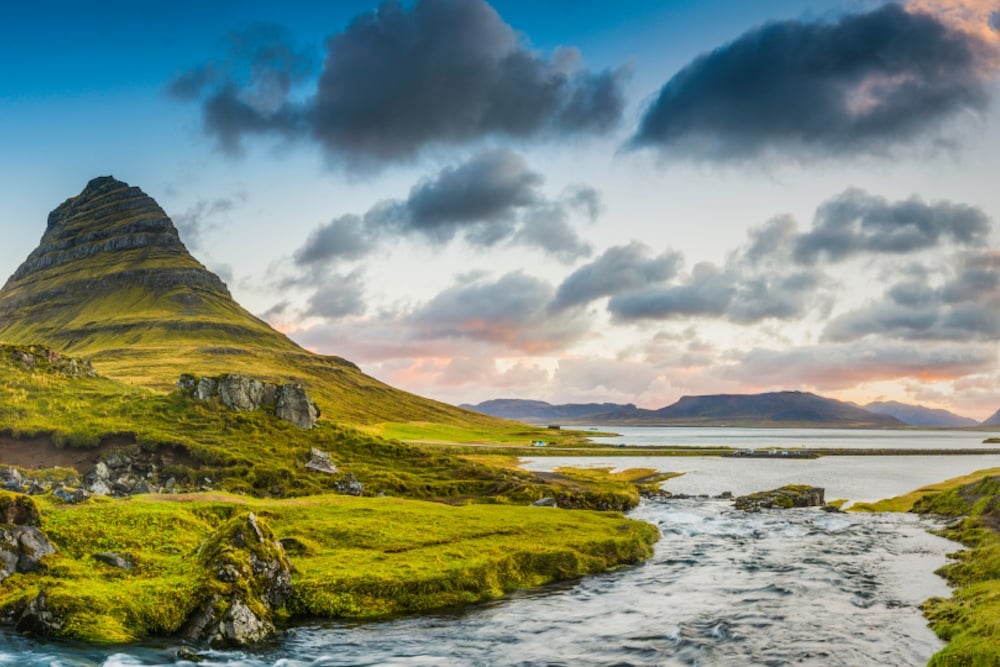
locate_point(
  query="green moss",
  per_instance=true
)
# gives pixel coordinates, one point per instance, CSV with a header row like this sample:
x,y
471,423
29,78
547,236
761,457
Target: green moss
x,y
970,619
352,557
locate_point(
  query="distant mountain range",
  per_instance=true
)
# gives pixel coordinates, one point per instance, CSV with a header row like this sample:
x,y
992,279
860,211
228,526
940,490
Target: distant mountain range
x,y
993,420
918,415
783,408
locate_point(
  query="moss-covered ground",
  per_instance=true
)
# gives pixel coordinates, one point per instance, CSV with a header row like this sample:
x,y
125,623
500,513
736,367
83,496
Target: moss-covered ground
x,y
970,619
353,558
389,552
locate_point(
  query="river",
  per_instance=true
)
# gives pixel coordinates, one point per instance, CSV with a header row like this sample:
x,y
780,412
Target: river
x,y
723,588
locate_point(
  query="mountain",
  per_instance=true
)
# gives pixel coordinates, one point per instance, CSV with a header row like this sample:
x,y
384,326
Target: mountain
x,y
993,420
918,415
783,408
111,281
542,412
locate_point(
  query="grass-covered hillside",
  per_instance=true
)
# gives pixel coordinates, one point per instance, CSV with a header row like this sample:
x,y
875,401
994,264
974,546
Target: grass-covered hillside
x,y
161,563
112,282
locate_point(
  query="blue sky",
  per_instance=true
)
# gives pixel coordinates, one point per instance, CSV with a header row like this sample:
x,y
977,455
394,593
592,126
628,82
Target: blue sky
x,y
568,200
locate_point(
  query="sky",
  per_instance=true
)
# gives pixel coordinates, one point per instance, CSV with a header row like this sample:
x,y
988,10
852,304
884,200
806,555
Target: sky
x,y
569,201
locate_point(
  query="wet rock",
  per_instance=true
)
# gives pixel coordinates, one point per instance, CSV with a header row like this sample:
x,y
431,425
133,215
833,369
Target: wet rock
x,y
38,619
115,560
320,462
545,502
795,495
349,485
255,581
295,406
832,509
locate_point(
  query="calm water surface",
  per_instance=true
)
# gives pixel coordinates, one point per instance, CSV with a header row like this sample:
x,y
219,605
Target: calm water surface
x,y
724,588
754,438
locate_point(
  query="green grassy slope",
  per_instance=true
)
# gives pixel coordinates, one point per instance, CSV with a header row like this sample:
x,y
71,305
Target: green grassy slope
x,y
111,281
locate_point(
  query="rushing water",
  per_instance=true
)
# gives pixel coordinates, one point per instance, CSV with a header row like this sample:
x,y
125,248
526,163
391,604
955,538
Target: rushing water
x,y
723,588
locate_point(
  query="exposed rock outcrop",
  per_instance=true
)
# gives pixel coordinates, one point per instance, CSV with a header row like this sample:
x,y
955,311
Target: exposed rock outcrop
x,y
38,358
253,579
22,544
320,461
793,495
289,402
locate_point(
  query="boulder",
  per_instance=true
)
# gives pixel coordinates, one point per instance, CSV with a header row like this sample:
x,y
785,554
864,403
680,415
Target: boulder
x,y
295,406
241,393
289,402
22,544
349,485
207,389
115,560
320,461
794,495
37,618
545,502
69,495
254,580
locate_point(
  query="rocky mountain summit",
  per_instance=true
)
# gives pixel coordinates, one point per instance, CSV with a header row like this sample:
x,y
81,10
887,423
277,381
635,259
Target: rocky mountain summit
x,y
112,281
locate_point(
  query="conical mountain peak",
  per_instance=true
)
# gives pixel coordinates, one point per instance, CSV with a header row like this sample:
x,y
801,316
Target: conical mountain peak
x,y
112,282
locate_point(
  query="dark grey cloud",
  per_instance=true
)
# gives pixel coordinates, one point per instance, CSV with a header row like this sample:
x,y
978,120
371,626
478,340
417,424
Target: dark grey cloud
x,y
965,306
338,296
856,222
511,311
343,238
490,187
400,79
619,269
248,91
491,198
866,83
758,281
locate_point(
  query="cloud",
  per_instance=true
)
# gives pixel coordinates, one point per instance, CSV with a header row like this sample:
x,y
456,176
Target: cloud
x,y
203,218
488,188
248,91
867,83
603,377
343,238
620,268
830,366
402,78
338,296
510,311
856,222
490,198
965,307
758,281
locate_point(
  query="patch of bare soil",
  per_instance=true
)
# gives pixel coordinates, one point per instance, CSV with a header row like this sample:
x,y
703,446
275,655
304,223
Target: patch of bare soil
x,y
35,453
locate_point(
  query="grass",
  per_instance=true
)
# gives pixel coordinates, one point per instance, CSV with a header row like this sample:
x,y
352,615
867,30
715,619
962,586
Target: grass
x,y
353,558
